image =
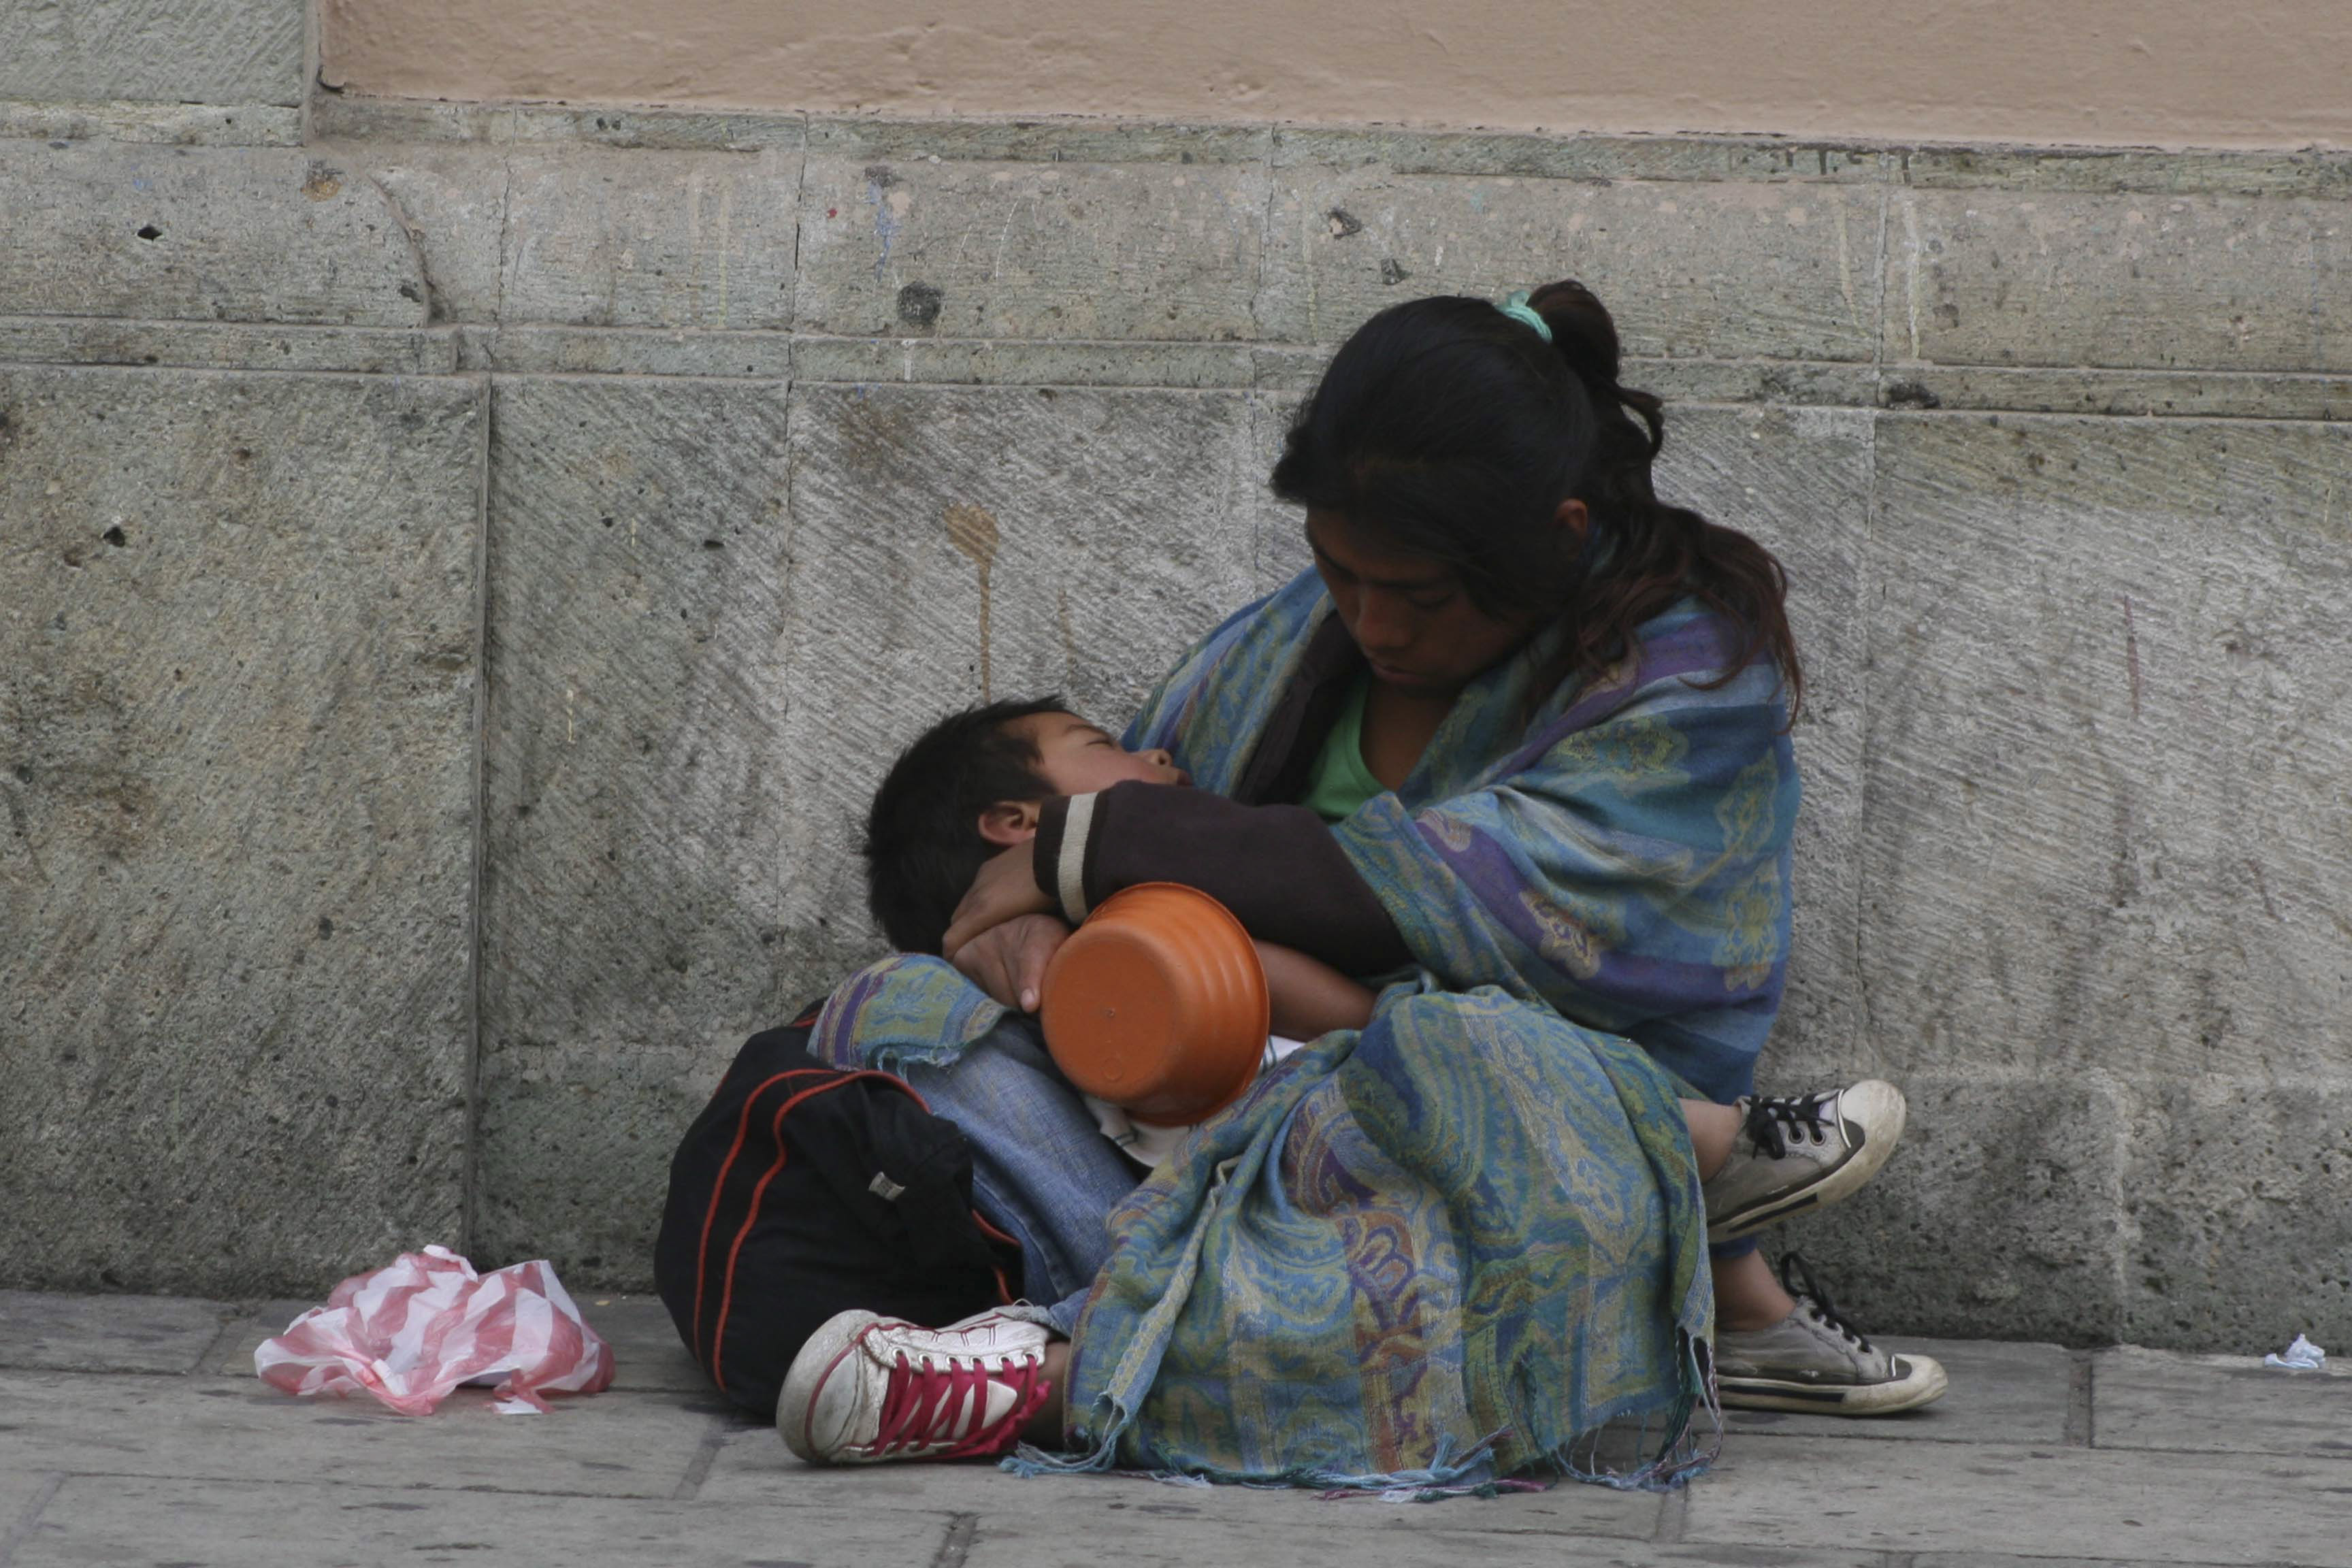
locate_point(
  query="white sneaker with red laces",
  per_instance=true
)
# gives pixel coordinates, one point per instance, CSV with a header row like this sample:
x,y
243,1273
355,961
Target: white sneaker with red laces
x,y
866,1388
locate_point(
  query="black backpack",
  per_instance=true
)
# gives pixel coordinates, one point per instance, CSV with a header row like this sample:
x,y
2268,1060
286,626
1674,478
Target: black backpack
x,y
804,1190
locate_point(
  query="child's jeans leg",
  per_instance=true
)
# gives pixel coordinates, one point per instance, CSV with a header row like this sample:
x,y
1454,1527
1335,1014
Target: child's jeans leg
x,y
1042,1170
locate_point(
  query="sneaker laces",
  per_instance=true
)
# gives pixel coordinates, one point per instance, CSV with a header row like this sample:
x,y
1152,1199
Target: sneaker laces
x,y
1797,1279
1771,1118
927,1403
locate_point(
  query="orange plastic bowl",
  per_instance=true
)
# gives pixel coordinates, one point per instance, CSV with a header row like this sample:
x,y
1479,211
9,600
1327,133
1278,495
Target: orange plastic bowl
x,y
1158,1005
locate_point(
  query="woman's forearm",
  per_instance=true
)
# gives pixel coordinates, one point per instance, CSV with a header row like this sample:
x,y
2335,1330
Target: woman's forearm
x,y
1308,996
1276,866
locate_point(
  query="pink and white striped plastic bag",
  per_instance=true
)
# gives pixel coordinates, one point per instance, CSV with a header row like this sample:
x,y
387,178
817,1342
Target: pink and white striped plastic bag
x,y
410,1332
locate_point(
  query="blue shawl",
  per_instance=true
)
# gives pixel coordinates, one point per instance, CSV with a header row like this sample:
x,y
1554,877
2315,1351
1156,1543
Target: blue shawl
x,y
1458,1244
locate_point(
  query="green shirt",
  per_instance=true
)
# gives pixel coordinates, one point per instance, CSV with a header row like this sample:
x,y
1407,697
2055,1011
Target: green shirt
x,y
1341,783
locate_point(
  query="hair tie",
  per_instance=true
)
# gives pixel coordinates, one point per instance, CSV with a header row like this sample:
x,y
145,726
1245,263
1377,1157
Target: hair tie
x,y
1518,309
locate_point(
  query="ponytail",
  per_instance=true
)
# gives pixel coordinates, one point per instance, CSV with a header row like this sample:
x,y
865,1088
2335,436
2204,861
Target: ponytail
x,y
1661,552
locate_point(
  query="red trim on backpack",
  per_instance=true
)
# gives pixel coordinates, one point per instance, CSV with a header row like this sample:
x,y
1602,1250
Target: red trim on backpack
x,y
750,1218
1004,1286
719,1187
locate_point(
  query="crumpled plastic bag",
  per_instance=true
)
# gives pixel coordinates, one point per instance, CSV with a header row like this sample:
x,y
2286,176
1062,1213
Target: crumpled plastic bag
x,y
410,1332
2301,1356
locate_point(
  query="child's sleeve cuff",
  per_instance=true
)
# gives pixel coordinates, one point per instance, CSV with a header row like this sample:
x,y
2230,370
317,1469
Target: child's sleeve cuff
x,y
1064,827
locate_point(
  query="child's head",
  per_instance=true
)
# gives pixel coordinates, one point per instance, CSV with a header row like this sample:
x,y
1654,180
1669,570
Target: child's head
x,y
970,785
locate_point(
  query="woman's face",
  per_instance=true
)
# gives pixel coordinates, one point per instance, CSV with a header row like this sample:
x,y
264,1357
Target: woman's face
x,y
1409,613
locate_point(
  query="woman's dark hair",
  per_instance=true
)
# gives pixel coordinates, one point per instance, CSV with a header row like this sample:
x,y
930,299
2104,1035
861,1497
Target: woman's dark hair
x,y
923,846
1455,431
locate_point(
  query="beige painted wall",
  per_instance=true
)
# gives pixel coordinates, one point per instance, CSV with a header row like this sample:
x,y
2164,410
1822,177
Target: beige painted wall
x,y
2254,73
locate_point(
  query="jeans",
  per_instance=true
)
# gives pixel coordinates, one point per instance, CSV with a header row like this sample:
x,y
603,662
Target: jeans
x,y
1041,1170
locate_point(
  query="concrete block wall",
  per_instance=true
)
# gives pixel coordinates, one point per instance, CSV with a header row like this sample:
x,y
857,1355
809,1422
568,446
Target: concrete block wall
x,y
462,568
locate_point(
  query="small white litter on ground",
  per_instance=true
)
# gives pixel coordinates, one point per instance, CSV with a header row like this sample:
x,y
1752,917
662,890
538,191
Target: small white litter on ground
x,y
2301,1356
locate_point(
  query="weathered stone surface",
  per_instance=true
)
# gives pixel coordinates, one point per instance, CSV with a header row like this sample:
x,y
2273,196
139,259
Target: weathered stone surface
x,y
647,1350
236,693
1047,251
453,201
219,51
241,1429
1726,271
2169,281
106,1333
1789,382
2000,1393
349,117
668,240
1905,1497
2050,390
124,1519
1167,1538
952,545
981,363
2012,1560
1996,1216
2031,171
247,234
111,1469
1071,139
1707,159
2110,742
23,1493
598,238
226,345
636,813
2201,1404
231,1354
625,350
2239,1194
752,1464
1279,549
171,125
1798,481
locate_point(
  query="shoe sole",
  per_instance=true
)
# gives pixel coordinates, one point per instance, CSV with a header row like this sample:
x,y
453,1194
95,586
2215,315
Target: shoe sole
x,y
1840,1182
1923,1382
826,1348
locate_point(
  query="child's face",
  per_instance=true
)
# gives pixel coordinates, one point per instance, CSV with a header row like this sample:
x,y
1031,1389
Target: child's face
x,y
1077,758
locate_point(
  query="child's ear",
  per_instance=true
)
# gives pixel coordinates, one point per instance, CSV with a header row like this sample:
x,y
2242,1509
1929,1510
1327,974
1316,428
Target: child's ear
x,y
1008,822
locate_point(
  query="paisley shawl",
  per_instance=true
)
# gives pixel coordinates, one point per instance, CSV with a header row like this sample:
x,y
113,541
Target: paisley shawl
x,y
1457,1245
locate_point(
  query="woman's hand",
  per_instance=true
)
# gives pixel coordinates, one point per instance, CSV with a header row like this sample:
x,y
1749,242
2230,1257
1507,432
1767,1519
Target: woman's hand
x,y
1006,889
1008,960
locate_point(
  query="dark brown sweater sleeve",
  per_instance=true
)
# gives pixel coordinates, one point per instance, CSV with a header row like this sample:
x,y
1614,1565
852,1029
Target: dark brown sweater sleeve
x,y
1277,867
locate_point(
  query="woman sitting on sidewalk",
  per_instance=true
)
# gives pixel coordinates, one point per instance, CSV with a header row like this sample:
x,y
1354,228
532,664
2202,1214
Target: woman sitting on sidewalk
x,y
1534,726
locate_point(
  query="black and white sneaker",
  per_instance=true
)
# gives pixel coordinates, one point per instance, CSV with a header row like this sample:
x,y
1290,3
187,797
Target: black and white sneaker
x,y
1814,1360
1796,1152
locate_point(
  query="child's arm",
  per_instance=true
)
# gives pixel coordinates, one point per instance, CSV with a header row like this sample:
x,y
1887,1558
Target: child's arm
x,y
1309,997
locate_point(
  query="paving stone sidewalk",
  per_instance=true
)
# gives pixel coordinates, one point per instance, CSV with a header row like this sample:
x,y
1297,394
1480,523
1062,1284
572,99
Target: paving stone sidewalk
x,y
132,1431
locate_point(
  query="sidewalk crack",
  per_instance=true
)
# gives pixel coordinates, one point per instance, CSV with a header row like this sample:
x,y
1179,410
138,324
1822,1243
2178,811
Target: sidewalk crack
x,y
2082,1425
25,1522
1674,1516
962,1531
698,1469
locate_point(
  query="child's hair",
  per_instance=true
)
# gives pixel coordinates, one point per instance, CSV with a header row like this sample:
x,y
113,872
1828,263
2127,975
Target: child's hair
x,y
923,846
1456,431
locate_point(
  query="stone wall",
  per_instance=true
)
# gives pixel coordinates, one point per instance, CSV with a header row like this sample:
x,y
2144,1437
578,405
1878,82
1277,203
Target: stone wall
x,y
463,567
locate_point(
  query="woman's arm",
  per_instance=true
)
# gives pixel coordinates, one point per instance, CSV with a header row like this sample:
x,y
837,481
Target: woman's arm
x,y
1309,996
1277,867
